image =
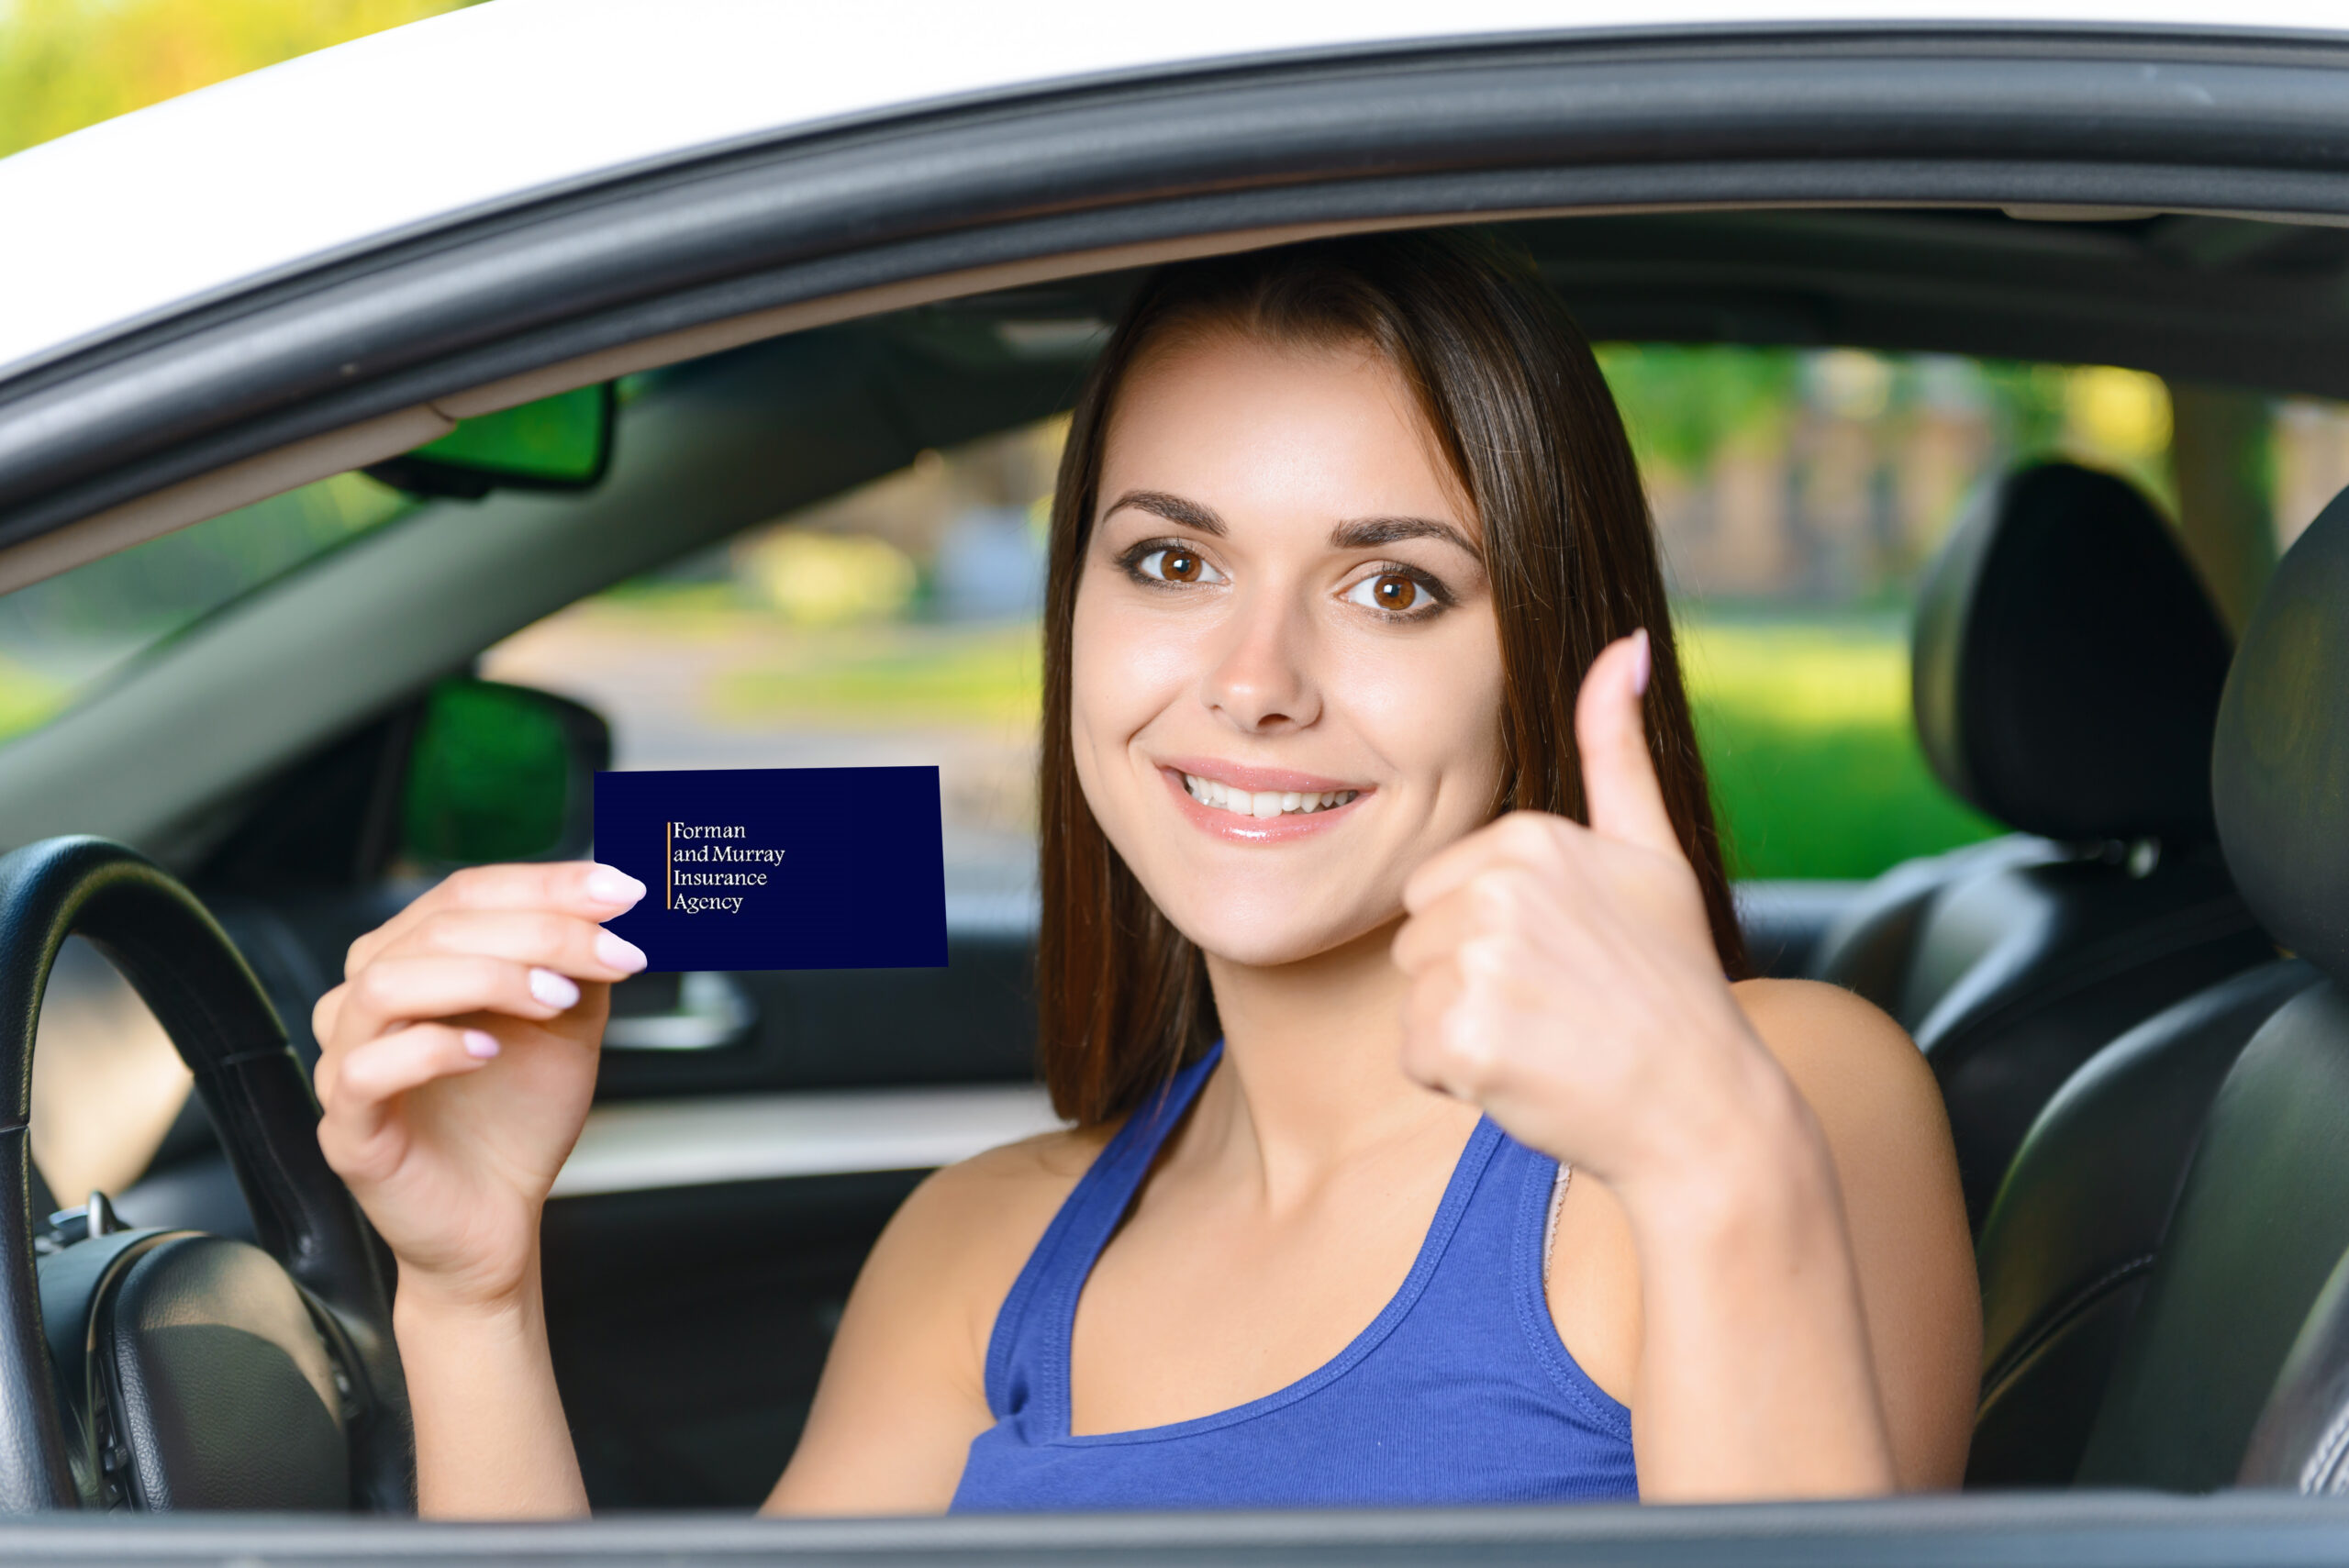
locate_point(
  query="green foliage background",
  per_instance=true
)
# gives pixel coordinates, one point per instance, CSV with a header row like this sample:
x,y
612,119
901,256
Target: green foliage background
x,y
67,63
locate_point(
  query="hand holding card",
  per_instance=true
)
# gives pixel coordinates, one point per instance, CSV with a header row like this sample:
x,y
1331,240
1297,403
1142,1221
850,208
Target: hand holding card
x,y
457,1057
779,868
457,1063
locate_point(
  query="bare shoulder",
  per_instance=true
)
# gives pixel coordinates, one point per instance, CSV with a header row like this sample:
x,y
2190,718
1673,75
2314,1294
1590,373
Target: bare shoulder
x,y
1001,1199
903,1391
1857,1066
964,1234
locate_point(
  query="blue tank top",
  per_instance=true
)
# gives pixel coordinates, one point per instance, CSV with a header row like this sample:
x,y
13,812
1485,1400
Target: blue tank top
x,y
1460,1391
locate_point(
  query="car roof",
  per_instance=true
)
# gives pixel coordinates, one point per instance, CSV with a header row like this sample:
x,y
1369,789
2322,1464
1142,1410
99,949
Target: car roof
x,y
130,220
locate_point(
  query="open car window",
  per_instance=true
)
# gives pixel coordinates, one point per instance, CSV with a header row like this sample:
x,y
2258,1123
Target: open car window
x,y
1797,495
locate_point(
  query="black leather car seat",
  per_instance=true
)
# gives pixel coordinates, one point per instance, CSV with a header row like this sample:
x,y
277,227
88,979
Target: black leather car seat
x,y
2302,1439
2073,1234
2262,1215
2068,667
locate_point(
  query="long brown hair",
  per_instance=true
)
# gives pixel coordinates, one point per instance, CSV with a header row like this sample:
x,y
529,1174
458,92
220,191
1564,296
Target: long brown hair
x,y
1510,389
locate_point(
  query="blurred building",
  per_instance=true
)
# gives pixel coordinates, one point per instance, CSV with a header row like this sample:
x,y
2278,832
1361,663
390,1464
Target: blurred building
x,y
2312,463
1837,494
1838,490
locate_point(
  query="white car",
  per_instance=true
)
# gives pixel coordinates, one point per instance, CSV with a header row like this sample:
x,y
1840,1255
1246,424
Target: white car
x,y
595,285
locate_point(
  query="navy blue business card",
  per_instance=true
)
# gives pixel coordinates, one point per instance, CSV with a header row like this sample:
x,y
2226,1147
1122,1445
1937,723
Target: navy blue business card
x,y
779,868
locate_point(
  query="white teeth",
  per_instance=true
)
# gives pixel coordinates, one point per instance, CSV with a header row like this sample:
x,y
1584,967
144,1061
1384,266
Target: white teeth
x,y
1261,803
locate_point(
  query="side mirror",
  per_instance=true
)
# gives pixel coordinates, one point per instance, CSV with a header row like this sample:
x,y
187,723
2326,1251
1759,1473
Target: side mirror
x,y
564,442
501,773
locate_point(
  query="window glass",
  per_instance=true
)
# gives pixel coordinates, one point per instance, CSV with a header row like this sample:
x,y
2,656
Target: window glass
x,y
61,636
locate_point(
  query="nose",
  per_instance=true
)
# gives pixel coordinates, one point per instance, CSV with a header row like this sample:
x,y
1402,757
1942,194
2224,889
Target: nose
x,y
1259,678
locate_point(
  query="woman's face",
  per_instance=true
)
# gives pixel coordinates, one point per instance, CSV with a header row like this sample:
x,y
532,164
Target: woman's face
x,y
1286,672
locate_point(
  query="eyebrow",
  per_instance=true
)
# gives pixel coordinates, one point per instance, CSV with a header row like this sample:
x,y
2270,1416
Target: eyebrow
x,y
1359,533
1173,508
1362,533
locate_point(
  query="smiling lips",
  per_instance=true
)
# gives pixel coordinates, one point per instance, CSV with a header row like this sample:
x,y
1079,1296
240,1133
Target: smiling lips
x,y
1218,795
1241,804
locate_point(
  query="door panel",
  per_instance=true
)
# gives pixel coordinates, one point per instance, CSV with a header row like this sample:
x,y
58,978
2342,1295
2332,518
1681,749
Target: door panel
x,y
689,1326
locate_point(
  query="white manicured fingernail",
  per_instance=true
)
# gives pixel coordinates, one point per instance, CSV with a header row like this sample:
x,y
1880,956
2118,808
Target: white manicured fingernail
x,y
609,884
1642,663
619,953
480,1043
554,990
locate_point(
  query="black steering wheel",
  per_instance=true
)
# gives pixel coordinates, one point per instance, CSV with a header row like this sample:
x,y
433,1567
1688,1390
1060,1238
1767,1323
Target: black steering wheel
x,y
178,1369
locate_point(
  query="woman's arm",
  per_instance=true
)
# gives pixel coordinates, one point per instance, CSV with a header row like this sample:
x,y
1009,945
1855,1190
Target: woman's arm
x,y
457,1060
491,1439
1754,1377
1876,1102
456,1063
1861,1193
1563,978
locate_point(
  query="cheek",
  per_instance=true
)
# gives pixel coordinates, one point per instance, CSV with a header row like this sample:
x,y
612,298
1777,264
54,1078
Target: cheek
x,y
1125,668
1436,711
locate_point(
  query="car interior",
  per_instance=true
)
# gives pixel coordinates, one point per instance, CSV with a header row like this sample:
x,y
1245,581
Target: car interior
x,y
2130,997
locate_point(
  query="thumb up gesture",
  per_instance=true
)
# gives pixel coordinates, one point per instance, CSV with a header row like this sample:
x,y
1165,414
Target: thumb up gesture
x,y
1563,977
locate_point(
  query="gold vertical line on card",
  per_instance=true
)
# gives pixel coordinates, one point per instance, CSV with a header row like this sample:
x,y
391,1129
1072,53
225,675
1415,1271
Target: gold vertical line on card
x,y
669,864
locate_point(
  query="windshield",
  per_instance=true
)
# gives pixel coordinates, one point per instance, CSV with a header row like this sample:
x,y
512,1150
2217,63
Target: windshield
x,y
61,638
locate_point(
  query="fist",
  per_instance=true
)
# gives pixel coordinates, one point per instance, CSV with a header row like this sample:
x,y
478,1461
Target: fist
x,y
1563,977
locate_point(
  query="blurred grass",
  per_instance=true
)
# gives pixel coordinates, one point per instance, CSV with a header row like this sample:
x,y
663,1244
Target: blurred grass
x,y
67,63
1805,728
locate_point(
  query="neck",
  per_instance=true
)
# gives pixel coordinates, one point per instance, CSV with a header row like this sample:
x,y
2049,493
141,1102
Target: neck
x,y
1314,1049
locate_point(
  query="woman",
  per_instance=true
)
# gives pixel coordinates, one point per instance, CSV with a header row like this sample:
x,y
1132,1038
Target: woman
x,y
1427,1147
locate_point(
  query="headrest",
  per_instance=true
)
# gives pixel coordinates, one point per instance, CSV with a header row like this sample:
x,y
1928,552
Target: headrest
x,y
2279,768
2068,663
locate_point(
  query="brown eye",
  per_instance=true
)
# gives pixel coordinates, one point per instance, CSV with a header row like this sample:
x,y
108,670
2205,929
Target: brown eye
x,y
1400,594
1172,565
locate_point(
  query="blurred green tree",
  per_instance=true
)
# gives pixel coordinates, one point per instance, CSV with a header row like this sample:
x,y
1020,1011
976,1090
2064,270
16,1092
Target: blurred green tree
x,y
67,63
1682,403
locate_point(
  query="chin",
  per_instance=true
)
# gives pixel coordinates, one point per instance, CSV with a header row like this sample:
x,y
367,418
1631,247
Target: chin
x,y
1269,937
